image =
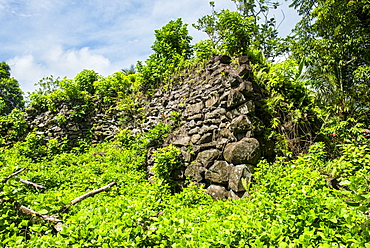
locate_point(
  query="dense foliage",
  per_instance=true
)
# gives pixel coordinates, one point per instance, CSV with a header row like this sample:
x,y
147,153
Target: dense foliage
x,y
316,193
236,33
171,49
11,96
291,204
334,37
295,119
81,90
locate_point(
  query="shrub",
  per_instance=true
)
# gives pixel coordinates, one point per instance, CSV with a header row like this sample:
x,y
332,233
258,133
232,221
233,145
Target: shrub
x,y
204,49
167,159
13,127
171,48
112,86
85,80
32,147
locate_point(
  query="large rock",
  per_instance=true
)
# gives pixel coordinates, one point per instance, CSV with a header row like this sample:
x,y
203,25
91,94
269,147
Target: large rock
x,y
183,140
241,124
208,146
245,151
231,195
244,109
246,88
207,157
235,99
195,172
217,113
206,138
219,172
226,133
195,130
213,100
195,138
194,108
217,192
236,175
207,129
196,117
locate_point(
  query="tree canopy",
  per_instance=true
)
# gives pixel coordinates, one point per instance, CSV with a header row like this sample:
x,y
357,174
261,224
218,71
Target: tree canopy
x,y
171,46
334,37
11,96
235,33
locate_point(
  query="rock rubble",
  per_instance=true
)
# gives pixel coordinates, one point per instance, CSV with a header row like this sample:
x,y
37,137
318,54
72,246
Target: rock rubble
x,y
217,115
220,125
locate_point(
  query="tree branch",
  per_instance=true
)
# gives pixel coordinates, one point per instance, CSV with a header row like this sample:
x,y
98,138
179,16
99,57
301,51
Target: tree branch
x,y
36,185
54,218
12,175
91,193
31,212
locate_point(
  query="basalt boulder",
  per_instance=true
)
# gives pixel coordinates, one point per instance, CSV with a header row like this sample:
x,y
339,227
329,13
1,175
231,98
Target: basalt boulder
x,y
245,151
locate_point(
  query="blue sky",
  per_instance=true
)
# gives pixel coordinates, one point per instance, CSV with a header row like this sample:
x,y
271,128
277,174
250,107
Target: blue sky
x,y
39,38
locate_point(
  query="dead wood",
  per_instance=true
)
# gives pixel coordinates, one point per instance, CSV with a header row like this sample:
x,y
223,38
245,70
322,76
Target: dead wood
x,y
31,212
54,218
12,175
36,185
91,193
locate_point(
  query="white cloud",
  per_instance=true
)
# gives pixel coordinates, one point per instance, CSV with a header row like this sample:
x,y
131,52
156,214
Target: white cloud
x,y
28,69
70,62
63,37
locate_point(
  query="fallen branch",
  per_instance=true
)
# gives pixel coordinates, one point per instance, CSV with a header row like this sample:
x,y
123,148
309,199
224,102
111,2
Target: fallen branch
x,y
12,175
91,193
31,212
36,185
54,218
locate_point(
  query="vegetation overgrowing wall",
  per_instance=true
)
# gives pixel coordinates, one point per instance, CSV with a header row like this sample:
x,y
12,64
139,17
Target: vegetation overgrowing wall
x,y
219,117
219,125
209,125
123,160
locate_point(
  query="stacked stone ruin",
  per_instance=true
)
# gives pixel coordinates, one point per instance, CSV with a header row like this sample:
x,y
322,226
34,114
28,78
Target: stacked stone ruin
x,y
220,126
215,110
98,124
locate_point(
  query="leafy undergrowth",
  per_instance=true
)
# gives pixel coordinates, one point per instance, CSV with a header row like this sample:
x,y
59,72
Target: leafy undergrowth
x,y
291,204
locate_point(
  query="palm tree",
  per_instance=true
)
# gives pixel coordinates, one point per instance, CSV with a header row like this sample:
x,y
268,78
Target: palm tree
x,y
130,70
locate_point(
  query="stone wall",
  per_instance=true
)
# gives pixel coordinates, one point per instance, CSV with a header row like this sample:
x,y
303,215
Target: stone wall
x,y
217,114
95,123
220,125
